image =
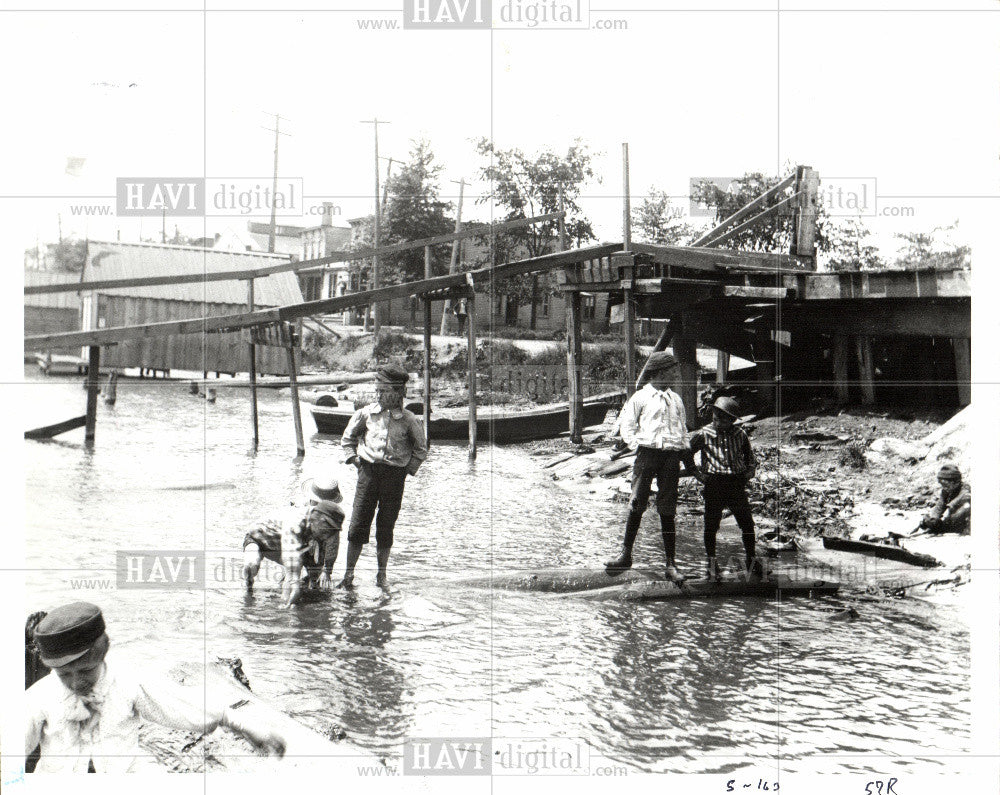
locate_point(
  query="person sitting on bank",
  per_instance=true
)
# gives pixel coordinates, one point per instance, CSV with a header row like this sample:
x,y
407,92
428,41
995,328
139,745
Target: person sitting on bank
x,y
728,464
306,545
86,718
952,511
386,443
653,422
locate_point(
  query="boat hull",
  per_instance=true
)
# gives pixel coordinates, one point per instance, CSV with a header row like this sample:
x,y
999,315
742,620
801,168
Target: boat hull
x,y
499,428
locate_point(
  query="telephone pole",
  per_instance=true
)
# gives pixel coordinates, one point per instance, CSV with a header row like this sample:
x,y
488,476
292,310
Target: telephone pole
x,y
274,183
378,227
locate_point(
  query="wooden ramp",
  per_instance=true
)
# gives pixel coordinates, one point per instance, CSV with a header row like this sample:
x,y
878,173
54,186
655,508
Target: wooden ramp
x,y
48,431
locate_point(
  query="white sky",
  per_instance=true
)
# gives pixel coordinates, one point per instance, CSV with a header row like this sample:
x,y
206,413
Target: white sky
x,y
881,95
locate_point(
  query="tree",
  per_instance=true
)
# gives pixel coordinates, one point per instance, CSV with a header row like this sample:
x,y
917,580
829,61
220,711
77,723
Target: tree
x,y
414,210
527,185
847,245
932,250
657,221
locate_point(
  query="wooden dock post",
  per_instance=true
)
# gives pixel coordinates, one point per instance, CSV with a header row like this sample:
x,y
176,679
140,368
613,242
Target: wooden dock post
x,y
471,327
427,350
93,390
841,359
866,369
685,349
963,369
293,383
253,371
574,356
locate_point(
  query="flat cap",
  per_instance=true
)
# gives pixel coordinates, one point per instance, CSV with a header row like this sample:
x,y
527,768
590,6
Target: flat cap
x,y
68,632
659,360
950,471
391,374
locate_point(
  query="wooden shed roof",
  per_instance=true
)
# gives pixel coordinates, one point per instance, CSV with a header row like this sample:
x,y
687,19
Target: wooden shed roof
x,y
135,260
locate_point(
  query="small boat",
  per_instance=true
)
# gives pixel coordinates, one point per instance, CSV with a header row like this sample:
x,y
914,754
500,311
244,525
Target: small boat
x,y
492,425
774,543
886,551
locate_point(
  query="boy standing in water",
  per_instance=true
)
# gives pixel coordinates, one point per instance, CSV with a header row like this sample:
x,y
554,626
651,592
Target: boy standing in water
x,y
653,422
386,443
727,465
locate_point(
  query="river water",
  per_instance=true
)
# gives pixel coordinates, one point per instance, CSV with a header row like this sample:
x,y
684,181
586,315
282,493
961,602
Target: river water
x,y
684,686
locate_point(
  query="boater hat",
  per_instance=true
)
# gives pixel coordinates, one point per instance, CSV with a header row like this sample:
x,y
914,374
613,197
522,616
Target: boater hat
x,y
68,632
322,489
391,374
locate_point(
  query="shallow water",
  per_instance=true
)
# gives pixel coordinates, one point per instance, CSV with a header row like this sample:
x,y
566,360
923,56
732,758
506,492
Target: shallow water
x,y
682,686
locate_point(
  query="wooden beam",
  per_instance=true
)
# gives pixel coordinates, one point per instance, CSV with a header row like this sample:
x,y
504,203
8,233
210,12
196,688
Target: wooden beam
x,y
574,361
93,389
686,351
427,350
253,372
866,369
963,369
285,266
720,259
766,213
309,308
293,383
744,211
841,359
48,431
471,328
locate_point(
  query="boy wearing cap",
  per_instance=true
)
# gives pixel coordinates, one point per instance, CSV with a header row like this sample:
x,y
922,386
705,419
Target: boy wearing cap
x,y
386,443
727,465
653,422
953,509
306,545
86,717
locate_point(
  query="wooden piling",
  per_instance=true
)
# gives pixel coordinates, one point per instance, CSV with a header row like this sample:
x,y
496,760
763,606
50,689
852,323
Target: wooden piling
x,y
685,349
471,328
93,390
574,356
253,371
293,383
427,350
866,369
963,369
841,359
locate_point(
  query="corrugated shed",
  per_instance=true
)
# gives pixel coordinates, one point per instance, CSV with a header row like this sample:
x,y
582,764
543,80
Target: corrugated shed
x,y
137,260
52,300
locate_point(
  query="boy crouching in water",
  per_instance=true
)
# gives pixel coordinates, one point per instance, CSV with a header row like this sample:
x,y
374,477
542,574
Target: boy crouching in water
x,y
728,464
306,545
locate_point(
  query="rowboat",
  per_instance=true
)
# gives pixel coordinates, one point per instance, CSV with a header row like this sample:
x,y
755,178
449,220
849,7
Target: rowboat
x,y
492,425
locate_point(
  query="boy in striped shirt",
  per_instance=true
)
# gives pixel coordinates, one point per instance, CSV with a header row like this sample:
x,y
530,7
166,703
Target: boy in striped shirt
x,y
727,465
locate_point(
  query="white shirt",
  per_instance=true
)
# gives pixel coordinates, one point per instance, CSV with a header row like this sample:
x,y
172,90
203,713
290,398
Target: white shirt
x,y
656,419
103,726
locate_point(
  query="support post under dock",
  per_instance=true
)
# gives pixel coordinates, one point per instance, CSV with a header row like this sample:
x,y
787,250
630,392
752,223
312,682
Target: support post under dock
x,y
427,350
574,357
93,390
293,384
253,372
472,371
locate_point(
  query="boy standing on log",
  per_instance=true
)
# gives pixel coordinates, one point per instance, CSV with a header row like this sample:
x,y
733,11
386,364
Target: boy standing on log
x,y
386,443
653,422
727,465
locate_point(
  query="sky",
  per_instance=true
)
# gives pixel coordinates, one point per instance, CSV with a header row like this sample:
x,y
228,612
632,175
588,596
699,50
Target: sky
x,y
878,96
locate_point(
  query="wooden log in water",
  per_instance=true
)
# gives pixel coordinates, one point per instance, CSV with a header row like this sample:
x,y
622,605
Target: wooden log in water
x,y
567,580
48,431
775,587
